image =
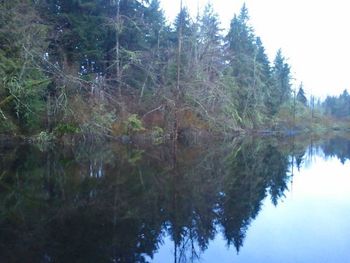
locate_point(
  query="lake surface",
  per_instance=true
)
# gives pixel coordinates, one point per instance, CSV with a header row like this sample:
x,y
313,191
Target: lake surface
x,y
243,200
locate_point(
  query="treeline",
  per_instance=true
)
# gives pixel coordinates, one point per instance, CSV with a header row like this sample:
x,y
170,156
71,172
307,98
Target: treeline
x,y
337,106
113,67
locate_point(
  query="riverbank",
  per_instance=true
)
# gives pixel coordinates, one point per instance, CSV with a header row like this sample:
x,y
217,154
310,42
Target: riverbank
x,y
188,136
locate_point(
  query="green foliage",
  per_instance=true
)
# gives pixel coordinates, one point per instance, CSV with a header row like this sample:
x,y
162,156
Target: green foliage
x,y
158,135
23,82
135,156
7,125
43,139
29,104
250,69
100,122
81,62
66,128
133,124
281,88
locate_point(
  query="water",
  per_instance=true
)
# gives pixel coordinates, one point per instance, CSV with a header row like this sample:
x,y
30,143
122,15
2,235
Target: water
x,y
247,200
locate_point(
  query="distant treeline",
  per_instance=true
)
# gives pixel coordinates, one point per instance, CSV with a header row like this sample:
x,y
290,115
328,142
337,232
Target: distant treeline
x,y
100,67
337,106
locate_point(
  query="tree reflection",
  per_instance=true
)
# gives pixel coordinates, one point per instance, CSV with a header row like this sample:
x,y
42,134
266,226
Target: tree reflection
x,y
254,169
338,146
115,203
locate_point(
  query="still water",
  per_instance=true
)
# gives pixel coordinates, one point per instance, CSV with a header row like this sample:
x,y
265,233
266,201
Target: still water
x,y
246,200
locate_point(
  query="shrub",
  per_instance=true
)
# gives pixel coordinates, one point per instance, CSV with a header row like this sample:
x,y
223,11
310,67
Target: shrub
x,y
66,128
133,124
157,135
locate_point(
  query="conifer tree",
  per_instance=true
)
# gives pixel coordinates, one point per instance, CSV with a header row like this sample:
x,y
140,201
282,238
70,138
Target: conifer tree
x,y
249,66
301,95
281,91
210,50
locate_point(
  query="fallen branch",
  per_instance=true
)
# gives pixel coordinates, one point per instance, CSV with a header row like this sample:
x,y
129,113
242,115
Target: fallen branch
x,y
158,108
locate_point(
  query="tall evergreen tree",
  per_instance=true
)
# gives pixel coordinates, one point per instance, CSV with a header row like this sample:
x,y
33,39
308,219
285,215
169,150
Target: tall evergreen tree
x,y
264,63
154,58
186,32
281,92
249,67
240,43
210,50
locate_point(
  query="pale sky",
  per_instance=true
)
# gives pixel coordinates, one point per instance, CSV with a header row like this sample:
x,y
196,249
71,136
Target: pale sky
x,y
313,34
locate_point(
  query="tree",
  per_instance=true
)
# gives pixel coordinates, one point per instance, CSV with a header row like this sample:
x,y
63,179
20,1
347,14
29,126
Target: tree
x,y
206,65
240,48
301,95
23,83
186,40
250,69
264,62
210,51
77,62
281,91
338,107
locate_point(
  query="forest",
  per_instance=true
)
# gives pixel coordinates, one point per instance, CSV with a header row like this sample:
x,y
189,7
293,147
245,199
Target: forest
x,y
113,68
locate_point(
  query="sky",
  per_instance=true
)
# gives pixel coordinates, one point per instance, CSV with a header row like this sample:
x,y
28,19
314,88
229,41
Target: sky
x,y
313,34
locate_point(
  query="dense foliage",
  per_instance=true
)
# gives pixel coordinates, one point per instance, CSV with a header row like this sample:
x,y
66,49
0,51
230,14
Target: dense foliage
x,y
87,66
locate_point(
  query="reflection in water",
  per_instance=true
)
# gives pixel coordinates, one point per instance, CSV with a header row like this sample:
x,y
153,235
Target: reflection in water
x,y
338,147
117,203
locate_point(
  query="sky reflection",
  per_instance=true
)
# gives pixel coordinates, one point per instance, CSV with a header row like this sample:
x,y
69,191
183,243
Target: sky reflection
x,y
310,224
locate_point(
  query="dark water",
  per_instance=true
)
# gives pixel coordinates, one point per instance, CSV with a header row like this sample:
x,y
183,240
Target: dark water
x,y
246,200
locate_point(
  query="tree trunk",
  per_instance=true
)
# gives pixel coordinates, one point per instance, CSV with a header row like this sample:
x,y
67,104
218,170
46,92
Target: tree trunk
x,y
117,48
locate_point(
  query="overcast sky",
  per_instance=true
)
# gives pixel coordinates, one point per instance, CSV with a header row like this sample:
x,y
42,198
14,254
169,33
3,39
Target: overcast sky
x,y
313,34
